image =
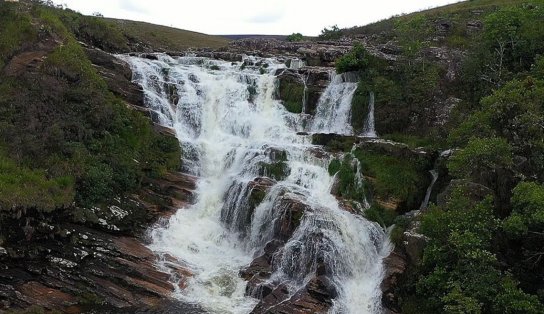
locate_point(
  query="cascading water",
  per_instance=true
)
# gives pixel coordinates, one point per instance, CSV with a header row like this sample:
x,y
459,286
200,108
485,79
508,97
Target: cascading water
x,y
369,128
229,124
425,203
333,112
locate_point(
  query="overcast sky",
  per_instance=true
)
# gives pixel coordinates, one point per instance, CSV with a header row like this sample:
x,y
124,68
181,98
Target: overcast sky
x,y
253,16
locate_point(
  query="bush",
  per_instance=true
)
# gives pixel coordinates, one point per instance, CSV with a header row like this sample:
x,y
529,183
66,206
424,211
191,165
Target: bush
x,y
527,215
357,59
481,156
295,37
395,178
61,117
331,33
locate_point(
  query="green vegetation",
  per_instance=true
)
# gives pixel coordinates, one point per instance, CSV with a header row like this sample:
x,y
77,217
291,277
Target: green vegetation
x,y
346,171
16,29
165,38
21,187
292,94
396,178
358,59
460,271
65,139
481,156
277,170
330,33
295,37
483,255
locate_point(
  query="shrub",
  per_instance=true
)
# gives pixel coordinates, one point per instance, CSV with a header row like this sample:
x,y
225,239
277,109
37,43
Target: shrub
x,y
357,59
295,37
480,156
331,33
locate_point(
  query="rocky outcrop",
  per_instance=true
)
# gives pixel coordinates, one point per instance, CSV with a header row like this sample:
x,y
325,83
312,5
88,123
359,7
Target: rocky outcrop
x,y
322,53
92,258
315,297
395,267
117,75
300,89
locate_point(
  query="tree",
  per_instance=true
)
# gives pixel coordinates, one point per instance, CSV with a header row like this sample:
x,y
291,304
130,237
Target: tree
x,y
412,33
331,33
481,157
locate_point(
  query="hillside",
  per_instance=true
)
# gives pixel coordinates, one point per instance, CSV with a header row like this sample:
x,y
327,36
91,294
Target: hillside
x,y
166,38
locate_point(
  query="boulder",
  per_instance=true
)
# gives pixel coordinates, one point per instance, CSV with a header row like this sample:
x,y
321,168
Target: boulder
x,y
316,297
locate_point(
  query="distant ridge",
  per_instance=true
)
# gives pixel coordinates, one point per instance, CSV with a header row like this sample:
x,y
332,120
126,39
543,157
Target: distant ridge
x,y
167,38
244,36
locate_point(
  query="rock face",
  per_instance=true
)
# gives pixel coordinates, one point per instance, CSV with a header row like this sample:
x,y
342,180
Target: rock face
x,y
97,262
300,89
117,75
322,53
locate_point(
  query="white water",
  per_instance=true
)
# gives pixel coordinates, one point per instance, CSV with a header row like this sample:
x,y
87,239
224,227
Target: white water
x,y
333,112
228,123
369,129
425,202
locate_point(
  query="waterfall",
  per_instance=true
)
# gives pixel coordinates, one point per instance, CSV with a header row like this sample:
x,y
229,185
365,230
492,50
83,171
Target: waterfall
x,y
369,129
333,113
229,124
425,202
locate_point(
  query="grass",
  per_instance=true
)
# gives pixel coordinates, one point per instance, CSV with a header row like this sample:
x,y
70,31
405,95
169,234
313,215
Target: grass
x,y
23,187
166,38
15,29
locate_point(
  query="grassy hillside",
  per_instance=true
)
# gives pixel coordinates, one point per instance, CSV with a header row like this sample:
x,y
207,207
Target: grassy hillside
x,y
65,140
166,38
457,13
115,35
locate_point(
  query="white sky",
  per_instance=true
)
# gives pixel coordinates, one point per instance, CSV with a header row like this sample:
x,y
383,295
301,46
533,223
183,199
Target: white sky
x,y
279,17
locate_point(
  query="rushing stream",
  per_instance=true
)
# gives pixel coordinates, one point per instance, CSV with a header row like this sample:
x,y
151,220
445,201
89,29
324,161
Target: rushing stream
x,y
229,124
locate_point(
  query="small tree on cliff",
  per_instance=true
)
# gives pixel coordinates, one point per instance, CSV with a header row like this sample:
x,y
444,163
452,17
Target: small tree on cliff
x,y
331,33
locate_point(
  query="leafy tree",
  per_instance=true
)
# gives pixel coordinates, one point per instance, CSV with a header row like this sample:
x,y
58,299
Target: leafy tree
x,y
413,33
460,272
481,156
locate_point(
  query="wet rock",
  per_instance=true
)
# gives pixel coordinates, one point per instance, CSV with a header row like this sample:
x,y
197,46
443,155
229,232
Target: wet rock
x,y
395,266
222,55
335,142
316,297
117,75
